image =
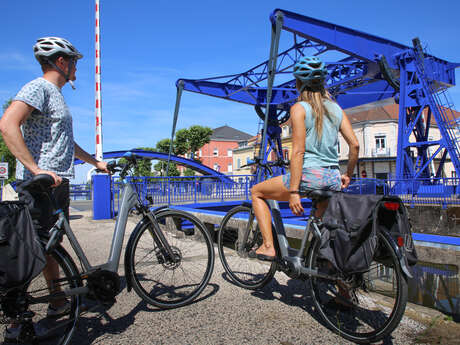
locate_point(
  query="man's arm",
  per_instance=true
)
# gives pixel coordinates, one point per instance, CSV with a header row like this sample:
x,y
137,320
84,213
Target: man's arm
x,y
10,124
86,157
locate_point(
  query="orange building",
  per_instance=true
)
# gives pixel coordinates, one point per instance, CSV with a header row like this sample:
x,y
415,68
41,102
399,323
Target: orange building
x,y
218,153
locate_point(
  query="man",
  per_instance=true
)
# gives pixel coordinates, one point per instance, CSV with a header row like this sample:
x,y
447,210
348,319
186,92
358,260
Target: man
x,y
37,128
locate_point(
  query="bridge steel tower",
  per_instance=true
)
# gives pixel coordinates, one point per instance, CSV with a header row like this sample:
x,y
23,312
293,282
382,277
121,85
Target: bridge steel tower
x,y
370,69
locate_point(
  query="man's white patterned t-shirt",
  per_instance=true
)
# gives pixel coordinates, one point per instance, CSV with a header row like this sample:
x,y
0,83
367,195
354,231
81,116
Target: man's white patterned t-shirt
x,y
47,132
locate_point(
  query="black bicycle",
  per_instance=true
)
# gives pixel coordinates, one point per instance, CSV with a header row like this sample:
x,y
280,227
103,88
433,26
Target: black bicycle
x,y
168,261
362,308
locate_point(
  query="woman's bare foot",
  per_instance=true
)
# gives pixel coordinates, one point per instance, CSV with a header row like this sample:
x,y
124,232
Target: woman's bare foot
x,y
266,250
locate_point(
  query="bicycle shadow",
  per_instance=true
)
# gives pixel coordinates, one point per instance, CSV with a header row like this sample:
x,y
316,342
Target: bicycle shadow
x,y
100,323
297,294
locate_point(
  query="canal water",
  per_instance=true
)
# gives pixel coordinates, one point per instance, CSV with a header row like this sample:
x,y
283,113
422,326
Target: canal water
x,y
436,286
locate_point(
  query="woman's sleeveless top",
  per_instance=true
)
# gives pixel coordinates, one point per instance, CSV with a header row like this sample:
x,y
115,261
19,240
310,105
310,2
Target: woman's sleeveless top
x,y
322,153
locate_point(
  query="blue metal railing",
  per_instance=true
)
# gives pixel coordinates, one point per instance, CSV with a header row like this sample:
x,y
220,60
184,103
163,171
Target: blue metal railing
x,y
80,192
187,189
444,192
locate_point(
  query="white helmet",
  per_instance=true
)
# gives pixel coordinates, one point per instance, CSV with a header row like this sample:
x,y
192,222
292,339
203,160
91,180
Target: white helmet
x,y
48,46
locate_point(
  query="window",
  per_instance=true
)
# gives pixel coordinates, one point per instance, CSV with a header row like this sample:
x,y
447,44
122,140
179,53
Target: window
x,y
229,167
229,152
286,155
380,142
238,163
216,152
216,167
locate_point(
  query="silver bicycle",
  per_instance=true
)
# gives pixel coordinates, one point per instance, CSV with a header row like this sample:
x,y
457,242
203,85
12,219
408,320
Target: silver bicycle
x,y
168,261
362,308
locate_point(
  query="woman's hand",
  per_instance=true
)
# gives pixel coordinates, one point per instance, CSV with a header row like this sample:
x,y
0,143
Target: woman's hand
x,y
345,181
295,205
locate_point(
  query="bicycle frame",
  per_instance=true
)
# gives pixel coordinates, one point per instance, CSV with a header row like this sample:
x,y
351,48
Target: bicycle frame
x,y
294,257
129,199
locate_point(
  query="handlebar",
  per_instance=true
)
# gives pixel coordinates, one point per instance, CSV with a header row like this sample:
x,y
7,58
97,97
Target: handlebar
x,y
123,168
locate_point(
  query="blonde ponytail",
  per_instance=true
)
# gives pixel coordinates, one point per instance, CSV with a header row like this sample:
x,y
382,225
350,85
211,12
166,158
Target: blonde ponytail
x,y
316,101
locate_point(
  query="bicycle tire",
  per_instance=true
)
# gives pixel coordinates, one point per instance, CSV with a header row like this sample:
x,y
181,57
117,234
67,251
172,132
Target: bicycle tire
x,y
375,313
59,329
243,271
172,284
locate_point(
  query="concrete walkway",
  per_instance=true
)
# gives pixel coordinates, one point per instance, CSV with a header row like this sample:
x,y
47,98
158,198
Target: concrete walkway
x,y
281,313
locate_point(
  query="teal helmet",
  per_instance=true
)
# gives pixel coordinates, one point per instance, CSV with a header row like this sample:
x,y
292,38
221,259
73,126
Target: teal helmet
x,y
311,72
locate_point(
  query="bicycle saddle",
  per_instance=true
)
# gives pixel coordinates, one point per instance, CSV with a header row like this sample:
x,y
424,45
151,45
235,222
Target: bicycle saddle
x,y
319,194
38,183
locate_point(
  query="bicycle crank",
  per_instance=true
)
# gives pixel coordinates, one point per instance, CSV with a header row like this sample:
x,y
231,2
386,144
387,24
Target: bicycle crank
x,y
104,285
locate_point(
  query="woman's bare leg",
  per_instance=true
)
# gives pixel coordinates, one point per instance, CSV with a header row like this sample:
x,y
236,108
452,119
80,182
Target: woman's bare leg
x,y
273,189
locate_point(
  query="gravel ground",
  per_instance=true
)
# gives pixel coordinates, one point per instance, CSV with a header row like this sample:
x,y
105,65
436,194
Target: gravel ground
x,y
282,313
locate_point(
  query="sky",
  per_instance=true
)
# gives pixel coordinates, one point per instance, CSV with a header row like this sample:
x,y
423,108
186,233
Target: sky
x,y
147,45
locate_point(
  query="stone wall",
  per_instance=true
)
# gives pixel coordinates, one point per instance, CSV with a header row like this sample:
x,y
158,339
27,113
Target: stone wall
x,y
435,220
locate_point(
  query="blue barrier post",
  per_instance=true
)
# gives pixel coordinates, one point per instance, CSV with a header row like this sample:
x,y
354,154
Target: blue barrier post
x,y
101,197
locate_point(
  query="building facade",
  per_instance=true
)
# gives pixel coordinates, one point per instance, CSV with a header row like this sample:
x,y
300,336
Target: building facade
x,y
377,131
245,152
218,153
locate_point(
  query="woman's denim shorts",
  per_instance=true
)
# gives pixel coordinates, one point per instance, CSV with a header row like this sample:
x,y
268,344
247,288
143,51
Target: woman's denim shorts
x,y
317,178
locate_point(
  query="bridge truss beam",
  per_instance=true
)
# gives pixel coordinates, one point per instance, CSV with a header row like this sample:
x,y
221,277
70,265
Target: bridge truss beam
x,y
369,70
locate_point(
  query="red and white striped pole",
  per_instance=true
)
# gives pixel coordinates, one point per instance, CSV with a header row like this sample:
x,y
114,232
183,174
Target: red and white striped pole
x,y
98,154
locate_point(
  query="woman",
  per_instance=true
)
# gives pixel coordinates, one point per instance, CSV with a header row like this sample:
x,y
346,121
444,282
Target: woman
x,y
316,120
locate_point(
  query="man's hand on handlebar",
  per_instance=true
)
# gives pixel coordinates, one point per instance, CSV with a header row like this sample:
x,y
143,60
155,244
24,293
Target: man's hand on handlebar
x,y
101,166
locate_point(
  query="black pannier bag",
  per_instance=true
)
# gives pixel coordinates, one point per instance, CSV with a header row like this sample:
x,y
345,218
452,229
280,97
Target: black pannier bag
x,y
349,234
397,224
21,255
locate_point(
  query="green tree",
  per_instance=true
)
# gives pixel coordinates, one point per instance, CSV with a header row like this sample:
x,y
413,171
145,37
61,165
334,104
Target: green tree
x,y
5,154
144,166
163,146
192,139
189,172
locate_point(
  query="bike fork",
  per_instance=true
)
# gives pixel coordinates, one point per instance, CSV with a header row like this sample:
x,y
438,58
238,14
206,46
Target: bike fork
x,y
159,237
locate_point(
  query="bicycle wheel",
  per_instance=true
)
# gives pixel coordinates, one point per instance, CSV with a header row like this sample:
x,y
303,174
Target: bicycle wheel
x,y
377,298
35,298
238,234
157,279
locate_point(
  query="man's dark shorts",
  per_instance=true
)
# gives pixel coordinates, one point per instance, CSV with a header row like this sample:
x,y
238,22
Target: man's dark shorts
x,y
41,207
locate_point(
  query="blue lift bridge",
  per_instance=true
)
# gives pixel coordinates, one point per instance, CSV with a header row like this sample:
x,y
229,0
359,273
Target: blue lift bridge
x,y
368,69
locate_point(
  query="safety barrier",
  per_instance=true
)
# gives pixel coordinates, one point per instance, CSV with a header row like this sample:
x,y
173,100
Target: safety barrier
x,y
80,192
444,192
187,189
